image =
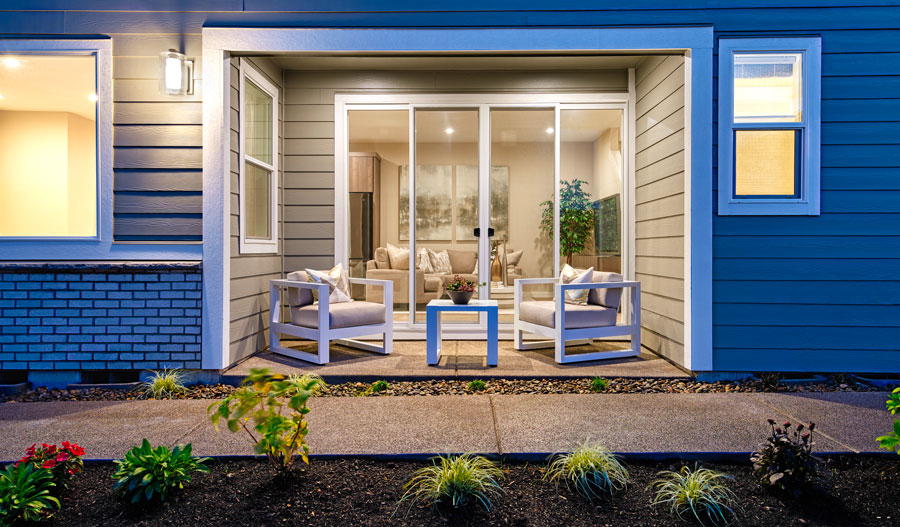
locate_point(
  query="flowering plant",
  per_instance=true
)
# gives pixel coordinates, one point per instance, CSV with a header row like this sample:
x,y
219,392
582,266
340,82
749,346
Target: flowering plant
x,y
786,461
461,284
63,461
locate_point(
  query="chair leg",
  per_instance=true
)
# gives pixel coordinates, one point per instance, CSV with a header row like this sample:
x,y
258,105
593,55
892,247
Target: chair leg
x,y
324,349
559,348
518,337
388,341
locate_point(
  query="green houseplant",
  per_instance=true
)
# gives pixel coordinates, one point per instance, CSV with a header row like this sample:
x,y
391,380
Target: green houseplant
x,y
576,218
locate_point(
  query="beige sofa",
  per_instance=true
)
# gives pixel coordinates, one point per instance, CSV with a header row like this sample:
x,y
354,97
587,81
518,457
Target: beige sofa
x,y
428,286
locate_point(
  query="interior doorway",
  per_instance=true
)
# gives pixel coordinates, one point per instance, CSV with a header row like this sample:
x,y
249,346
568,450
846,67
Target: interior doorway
x,y
434,186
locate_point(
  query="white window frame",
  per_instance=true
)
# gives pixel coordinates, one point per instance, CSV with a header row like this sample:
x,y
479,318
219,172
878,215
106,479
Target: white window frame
x,y
807,203
256,245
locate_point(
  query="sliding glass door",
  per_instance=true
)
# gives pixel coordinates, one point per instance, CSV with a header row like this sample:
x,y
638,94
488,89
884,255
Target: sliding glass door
x,y
438,188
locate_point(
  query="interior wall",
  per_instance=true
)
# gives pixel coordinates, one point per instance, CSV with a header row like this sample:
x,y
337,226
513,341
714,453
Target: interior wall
x,y
250,273
659,199
309,136
50,158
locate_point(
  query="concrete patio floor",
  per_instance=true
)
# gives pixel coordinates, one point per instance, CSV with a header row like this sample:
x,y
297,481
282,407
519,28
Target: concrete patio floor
x,y
520,425
459,359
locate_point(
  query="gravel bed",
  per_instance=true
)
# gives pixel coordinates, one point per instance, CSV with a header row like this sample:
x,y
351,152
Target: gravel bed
x,y
461,387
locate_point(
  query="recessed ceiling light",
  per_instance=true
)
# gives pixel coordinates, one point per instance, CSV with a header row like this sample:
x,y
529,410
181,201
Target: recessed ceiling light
x,y
92,97
448,130
11,62
549,130
1,95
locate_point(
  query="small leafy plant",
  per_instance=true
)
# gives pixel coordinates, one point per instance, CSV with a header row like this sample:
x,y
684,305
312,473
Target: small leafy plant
x,y
164,384
63,462
476,385
785,461
378,387
461,284
455,482
149,474
591,470
891,441
599,384
769,381
698,493
25,494
263,399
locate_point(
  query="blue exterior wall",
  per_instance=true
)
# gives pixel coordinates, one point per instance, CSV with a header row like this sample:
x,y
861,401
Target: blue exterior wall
x,y
790,293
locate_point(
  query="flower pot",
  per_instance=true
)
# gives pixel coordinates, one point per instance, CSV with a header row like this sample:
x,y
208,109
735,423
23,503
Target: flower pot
x,y
460,297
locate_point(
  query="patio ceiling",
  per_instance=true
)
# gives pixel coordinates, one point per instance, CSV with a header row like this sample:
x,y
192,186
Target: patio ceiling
x,y
469,62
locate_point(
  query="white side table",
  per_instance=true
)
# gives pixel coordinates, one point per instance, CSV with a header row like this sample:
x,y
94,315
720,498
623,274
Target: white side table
x,y
433,324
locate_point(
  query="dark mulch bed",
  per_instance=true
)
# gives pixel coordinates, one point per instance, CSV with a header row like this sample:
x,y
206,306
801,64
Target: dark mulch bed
x,y
355,492
492,386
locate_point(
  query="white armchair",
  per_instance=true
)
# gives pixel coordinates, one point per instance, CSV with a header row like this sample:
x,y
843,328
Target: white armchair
x,y
564,322
323,322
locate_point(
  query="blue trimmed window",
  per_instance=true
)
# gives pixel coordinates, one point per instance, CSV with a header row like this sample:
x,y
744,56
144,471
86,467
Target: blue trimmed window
x,y
769,120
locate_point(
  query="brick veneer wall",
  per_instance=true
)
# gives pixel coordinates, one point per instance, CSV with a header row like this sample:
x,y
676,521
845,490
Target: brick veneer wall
x,y
70,318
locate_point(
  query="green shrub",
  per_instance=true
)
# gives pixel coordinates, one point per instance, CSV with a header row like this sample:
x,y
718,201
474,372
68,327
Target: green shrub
x,y
599,384
163,384
263,398
891,441
785,461
455,482
591,470
476,385
700,491
375,387
25,494
148,474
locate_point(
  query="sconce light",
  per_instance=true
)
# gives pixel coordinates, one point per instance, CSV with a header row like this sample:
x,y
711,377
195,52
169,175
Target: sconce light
x,y
176,74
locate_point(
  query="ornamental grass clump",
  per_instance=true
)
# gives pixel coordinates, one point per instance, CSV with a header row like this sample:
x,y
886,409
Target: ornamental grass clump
x,y
476,385
590,470
148,474
26,494
786,462
164,384
697,493
272,410
599,384
454,482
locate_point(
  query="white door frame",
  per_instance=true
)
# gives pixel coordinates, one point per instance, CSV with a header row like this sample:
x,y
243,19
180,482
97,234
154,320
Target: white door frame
x,y
694,43
483,103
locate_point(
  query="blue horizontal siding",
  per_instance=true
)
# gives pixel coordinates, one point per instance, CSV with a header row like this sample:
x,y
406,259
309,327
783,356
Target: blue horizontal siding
x,y
852,291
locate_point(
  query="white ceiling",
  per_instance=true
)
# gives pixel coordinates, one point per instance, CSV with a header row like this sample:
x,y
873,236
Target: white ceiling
x,y
48,84
469,62
507,126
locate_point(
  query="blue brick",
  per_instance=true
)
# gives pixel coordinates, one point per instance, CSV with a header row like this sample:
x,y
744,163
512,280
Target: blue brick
x,y
171,347
67,365
121,347
14,366
54,285
133,321
68,330
131,356
96,365
183,356
161,304
15,312
59,313
187,339
68,277
106,287
118,330
66,347
94,278
14,294
107,304
159,286
81,321
40,365
79,356
15,348
192,313
54,338
146,312
193,365
157,321
119,365
6,321
82,304
28,339
40,295
126,277
7,356
93,347
107,321
7,303
185,303
146,295
161,339
186,286
28,303
106,356
171,330
171,312
93,312
6,339
120,312
7,286
192,348
106,339
93,330
132,287
81,286
173,294
13,330
119,295
177,365
40,330
145,365
133,338
26,321
146,278
94,295
145,329
27,286
133,304
55,304
80,338
53,356
172,277
39,277
68,294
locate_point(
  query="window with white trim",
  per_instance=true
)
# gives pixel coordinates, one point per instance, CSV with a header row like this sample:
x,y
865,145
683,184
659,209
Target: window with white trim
x,y
769,120
259,162
48,145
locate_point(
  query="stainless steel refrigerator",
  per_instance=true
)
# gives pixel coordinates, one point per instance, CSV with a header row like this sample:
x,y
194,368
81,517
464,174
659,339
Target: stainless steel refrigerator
x,y
361,238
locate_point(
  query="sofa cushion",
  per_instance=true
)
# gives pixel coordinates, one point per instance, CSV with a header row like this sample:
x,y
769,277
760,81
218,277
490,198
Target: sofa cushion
x,y
344,315
513,257
423,261
606,297
440,261
462,261
399,256
433,282
382,261
543,313
296,296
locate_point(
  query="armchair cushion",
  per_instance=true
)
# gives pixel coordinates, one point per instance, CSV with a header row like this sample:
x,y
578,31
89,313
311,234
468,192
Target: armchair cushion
x,y
299,297
338,283
605,297
543,313
343,315
462,262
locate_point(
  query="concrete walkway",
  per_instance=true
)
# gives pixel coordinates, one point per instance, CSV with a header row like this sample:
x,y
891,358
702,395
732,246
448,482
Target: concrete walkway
x,y
508,424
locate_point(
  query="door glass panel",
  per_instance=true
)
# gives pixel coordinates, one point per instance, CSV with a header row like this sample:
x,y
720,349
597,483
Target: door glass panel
x,y
258,201
522,165
446,205
378,153
591,189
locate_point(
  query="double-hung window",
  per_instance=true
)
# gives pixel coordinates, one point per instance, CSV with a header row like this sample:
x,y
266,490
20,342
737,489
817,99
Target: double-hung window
x,y
769,106
258,193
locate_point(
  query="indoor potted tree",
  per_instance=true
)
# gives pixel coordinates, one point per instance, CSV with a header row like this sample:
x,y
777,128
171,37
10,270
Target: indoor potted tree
x,y
576,218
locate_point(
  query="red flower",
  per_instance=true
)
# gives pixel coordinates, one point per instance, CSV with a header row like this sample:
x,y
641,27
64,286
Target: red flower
x,y
30,450
48,464
61,456
75,450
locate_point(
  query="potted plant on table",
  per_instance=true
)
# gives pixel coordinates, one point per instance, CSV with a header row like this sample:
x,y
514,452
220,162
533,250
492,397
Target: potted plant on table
x,y
461,290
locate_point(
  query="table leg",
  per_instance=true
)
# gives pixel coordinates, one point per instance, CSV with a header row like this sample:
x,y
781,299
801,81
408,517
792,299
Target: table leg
x,y
432,336
492,337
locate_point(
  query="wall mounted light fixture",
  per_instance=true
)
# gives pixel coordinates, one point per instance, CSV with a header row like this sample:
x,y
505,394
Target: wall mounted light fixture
x,y
176,73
